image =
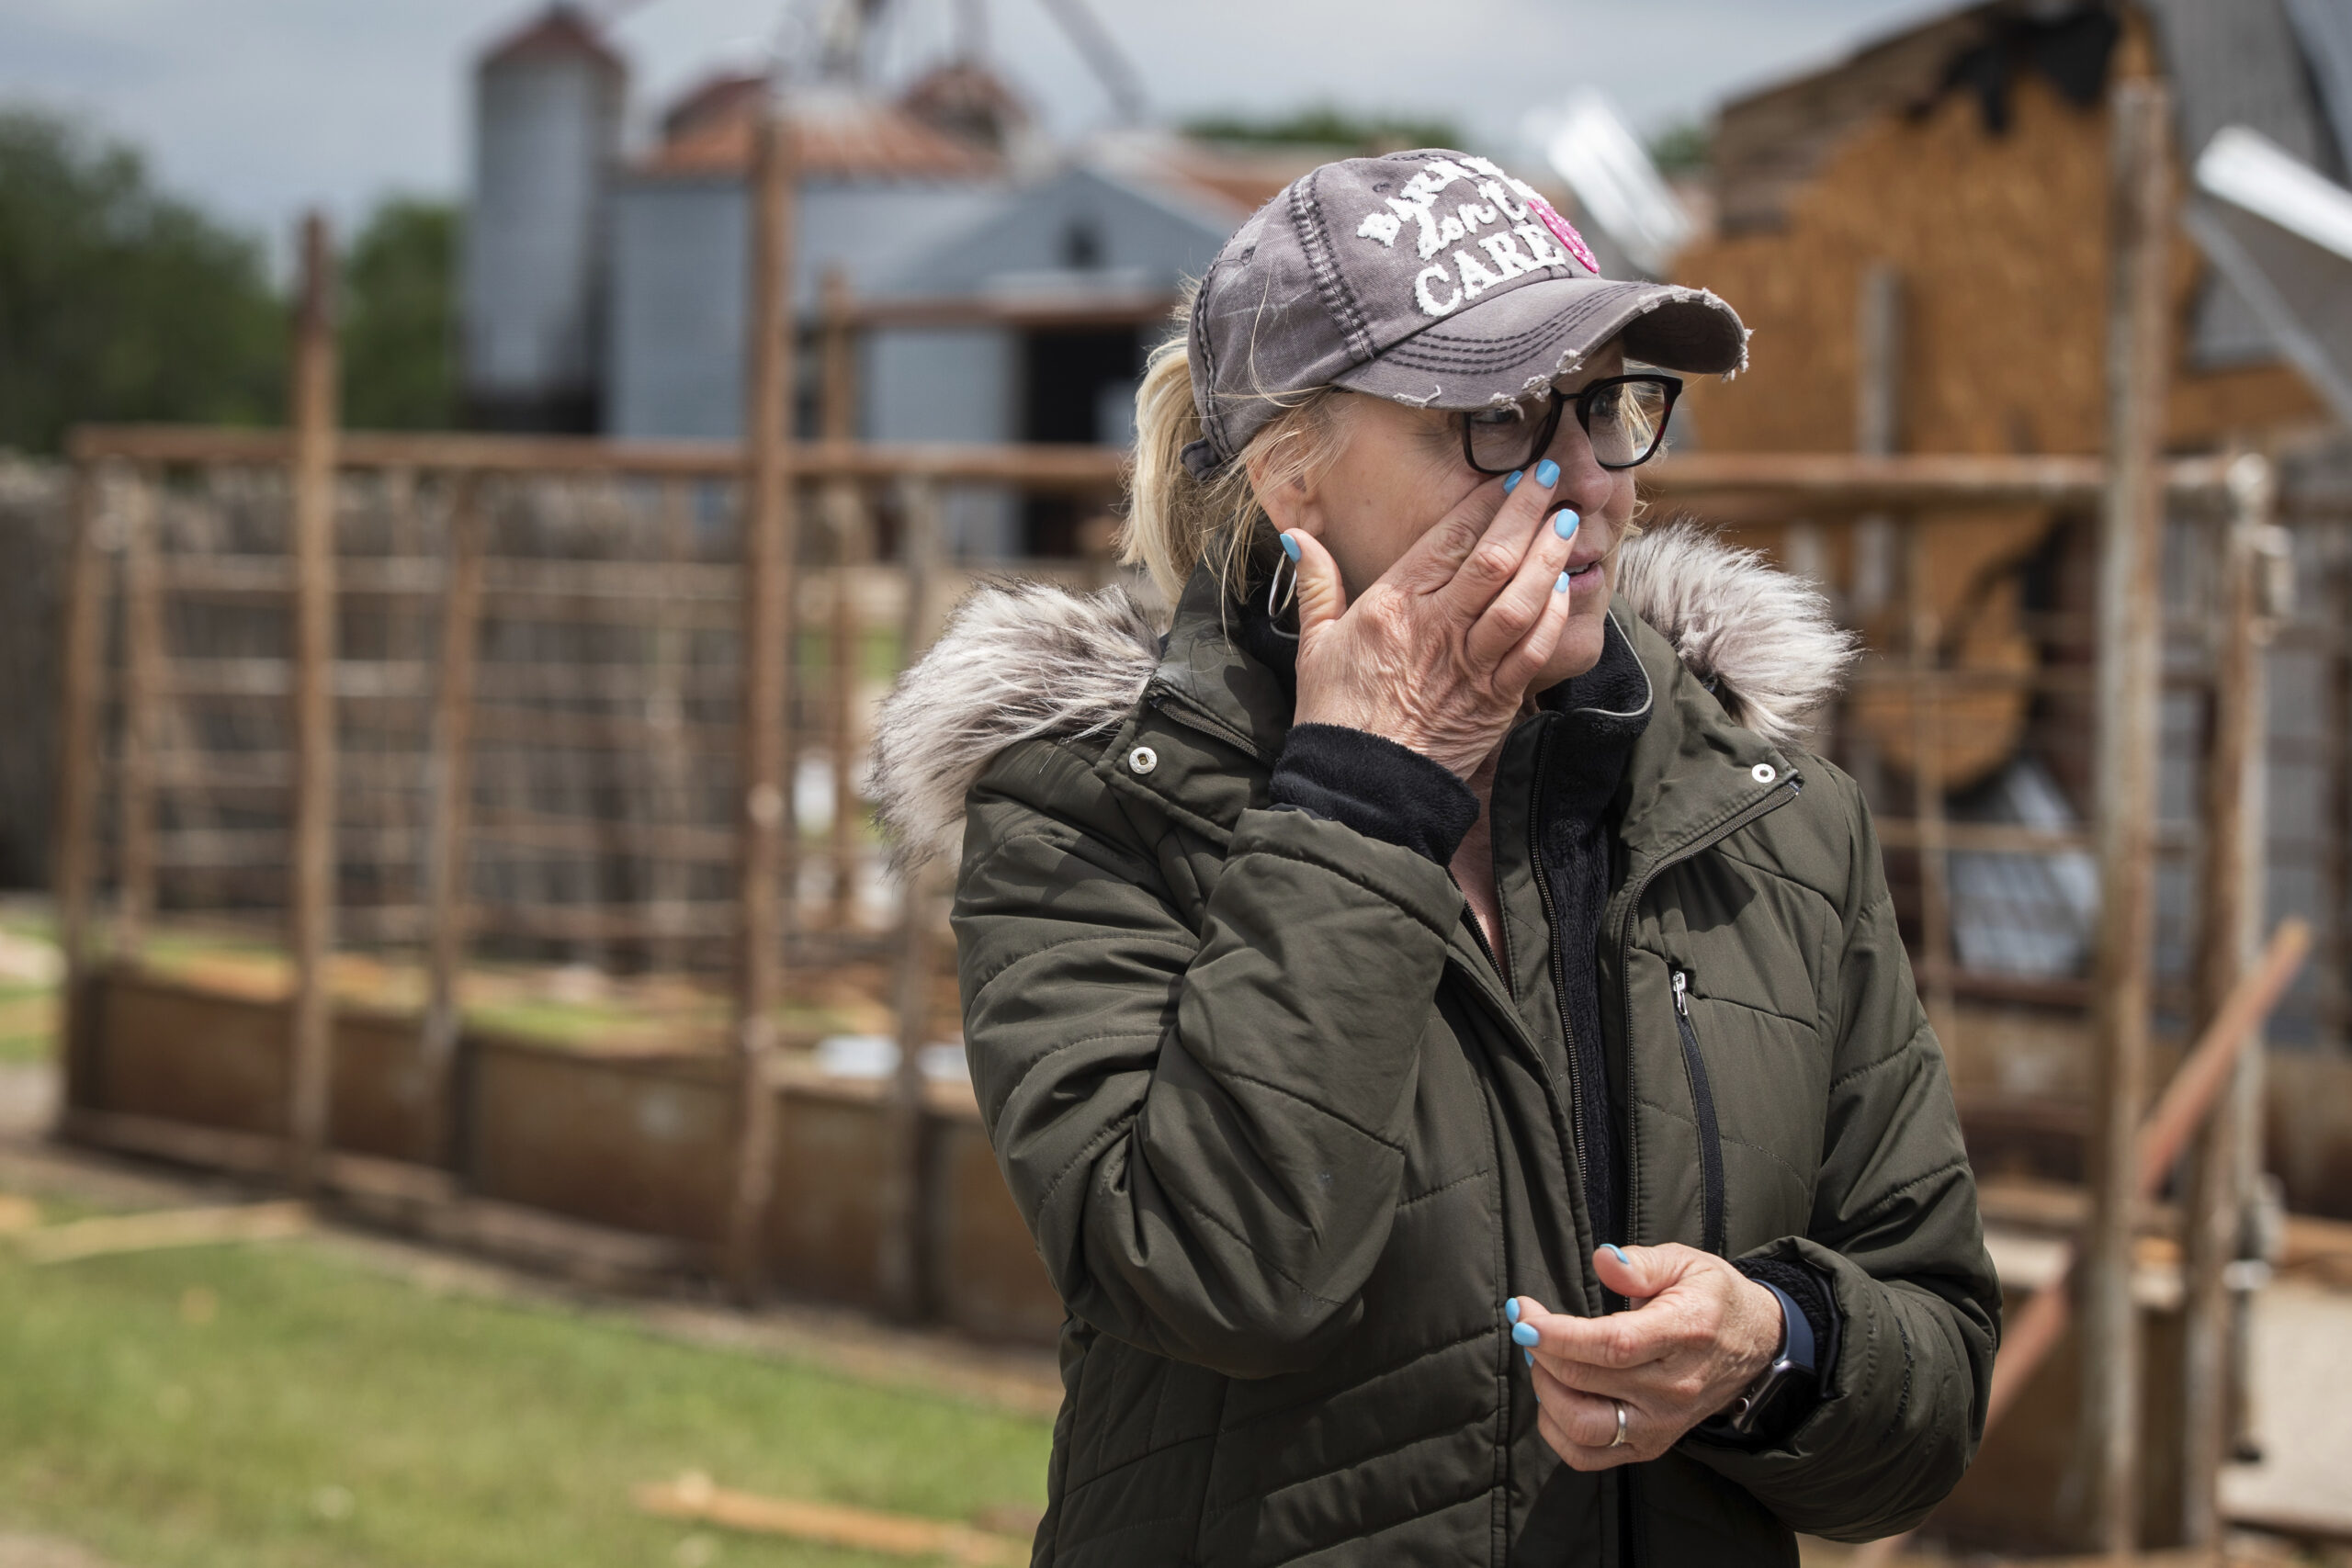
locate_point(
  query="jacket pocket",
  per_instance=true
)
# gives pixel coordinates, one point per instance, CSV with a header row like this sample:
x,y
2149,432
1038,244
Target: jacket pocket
x,y
1703,1104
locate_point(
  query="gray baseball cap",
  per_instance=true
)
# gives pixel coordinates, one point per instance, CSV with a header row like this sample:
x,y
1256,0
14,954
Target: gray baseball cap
x,y
1429,277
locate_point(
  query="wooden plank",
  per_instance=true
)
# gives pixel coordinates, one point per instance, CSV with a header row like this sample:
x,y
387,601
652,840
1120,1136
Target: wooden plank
x,y
770,555
2130,658
82,682
907,1224
693,1497
449,775
1060,466
1843,480
114,1233
311,898
2218,1193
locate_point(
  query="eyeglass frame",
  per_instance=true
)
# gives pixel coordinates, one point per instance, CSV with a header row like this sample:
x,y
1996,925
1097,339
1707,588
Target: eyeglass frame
x,y
1583,397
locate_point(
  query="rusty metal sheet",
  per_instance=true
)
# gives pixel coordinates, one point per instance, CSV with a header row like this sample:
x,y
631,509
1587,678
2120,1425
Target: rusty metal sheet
x,y
990,1282
382,1093
637,1144
824,1222
184,1055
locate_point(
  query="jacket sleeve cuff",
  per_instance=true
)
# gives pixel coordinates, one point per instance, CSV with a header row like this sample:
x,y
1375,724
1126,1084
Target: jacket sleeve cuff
x,y
1802,1285
1370,784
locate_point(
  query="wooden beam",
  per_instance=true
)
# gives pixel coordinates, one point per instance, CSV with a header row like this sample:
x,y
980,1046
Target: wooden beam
x,y
80,694
142,680
2231,913
770,555
1924,629
906,1233
310,901
846,527
449,803
2130,661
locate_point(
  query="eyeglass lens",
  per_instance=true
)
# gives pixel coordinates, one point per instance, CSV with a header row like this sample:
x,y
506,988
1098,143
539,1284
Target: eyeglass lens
x,y
1624,421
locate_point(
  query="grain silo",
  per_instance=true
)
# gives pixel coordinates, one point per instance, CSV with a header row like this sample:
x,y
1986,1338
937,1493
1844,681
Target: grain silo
x,y
548,106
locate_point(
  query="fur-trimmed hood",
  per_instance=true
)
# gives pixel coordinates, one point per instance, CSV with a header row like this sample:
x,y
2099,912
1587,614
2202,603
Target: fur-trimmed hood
x,y
1024,659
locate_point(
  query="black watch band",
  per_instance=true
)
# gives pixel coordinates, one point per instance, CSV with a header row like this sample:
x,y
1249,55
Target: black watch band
x,y
1792,1368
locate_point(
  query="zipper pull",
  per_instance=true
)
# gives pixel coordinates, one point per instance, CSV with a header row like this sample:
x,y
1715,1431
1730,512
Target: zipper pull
x,y
1683,991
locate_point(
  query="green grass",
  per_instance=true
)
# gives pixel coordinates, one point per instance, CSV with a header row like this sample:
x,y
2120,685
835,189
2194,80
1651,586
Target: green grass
x,y
325,1412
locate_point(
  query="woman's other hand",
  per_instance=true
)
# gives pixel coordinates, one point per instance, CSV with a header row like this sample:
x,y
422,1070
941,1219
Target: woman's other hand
x,y
1438,653
1698,1334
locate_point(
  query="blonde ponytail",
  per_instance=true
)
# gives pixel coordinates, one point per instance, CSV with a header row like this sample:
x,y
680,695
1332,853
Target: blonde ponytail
x,y
1176,522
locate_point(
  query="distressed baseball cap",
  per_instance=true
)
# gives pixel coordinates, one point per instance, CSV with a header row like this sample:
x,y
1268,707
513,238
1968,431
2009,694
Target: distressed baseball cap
x,y
1429,277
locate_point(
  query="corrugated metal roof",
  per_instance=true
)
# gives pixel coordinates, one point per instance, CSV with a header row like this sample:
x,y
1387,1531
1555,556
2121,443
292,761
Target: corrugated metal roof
x,y
563,31
2238,63
842,134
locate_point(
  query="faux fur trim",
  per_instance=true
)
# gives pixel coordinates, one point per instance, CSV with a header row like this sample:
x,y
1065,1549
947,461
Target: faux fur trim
x,y
1763,640
1022,658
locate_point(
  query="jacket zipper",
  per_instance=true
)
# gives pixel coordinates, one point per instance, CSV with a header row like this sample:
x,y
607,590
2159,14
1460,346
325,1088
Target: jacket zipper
x,y
1702,1102
1782,794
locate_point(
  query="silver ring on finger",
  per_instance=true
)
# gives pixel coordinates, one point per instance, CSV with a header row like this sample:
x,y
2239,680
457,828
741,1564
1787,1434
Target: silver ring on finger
x,y
1618,1440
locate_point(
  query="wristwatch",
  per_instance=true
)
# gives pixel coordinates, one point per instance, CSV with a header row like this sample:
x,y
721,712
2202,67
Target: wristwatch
x,y
1791,1373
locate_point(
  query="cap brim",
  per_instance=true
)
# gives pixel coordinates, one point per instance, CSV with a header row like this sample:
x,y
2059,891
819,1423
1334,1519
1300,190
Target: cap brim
x,y
1503,347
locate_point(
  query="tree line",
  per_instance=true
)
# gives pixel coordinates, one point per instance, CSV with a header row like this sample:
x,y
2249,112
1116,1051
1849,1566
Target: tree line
x,y
119,301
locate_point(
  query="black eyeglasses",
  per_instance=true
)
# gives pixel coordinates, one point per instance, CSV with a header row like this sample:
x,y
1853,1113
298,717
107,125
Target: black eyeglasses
x,y
1623,417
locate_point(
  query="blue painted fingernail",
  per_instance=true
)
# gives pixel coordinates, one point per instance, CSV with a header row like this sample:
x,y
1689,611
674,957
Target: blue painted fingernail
x,y
1561,586
1619,1254
1290,546
1547,473
1564,522
1524,1334
1510,1309
1511,483
1530,1356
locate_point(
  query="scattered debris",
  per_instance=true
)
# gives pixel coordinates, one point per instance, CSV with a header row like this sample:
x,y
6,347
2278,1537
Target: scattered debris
x,y
170,1227
696,1499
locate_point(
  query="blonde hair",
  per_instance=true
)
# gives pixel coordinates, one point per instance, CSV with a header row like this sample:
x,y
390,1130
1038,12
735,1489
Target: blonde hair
x,y
1176,522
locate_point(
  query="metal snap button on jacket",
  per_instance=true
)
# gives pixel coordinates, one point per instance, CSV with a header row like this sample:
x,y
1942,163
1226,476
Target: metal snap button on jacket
x,y
1762,773
1143,759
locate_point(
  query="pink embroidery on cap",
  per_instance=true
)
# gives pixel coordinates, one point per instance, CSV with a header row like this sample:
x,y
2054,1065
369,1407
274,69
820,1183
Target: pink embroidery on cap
x,y
1565,232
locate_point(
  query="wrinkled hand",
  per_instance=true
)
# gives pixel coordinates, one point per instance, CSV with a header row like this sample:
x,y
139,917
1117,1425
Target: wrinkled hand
x,y
1436,654
1698,1334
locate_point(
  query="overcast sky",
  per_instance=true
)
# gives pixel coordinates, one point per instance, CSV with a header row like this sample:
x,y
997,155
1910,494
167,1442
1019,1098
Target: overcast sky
x,y
259,107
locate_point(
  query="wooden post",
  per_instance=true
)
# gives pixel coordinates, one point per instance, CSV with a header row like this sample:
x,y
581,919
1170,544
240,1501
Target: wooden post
x,y
449,804
2232,878
1877,403
82,690
2130,665
666,713
311,481
906,1237
845,522
143,673
1925,631
769,558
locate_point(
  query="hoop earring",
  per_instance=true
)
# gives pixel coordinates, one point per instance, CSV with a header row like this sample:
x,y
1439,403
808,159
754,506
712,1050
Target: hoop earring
x,y
1275,589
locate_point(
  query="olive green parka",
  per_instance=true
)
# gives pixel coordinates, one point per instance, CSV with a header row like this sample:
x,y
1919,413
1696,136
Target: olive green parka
x,y
1288,1136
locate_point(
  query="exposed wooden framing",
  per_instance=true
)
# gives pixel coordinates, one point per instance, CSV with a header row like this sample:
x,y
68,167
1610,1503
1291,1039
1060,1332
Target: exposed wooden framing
x,y
1924,633
2233,882
769,559
311,897
845,521
143,669
666,712
449,787
905,1244
2131,547
80,694
1813,480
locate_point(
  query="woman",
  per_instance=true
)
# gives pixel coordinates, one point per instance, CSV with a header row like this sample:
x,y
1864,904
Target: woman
x,y
1453,1050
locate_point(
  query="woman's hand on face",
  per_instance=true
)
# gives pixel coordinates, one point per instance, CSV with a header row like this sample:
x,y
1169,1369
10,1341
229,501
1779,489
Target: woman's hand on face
x,y
1437,654
1698,1334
